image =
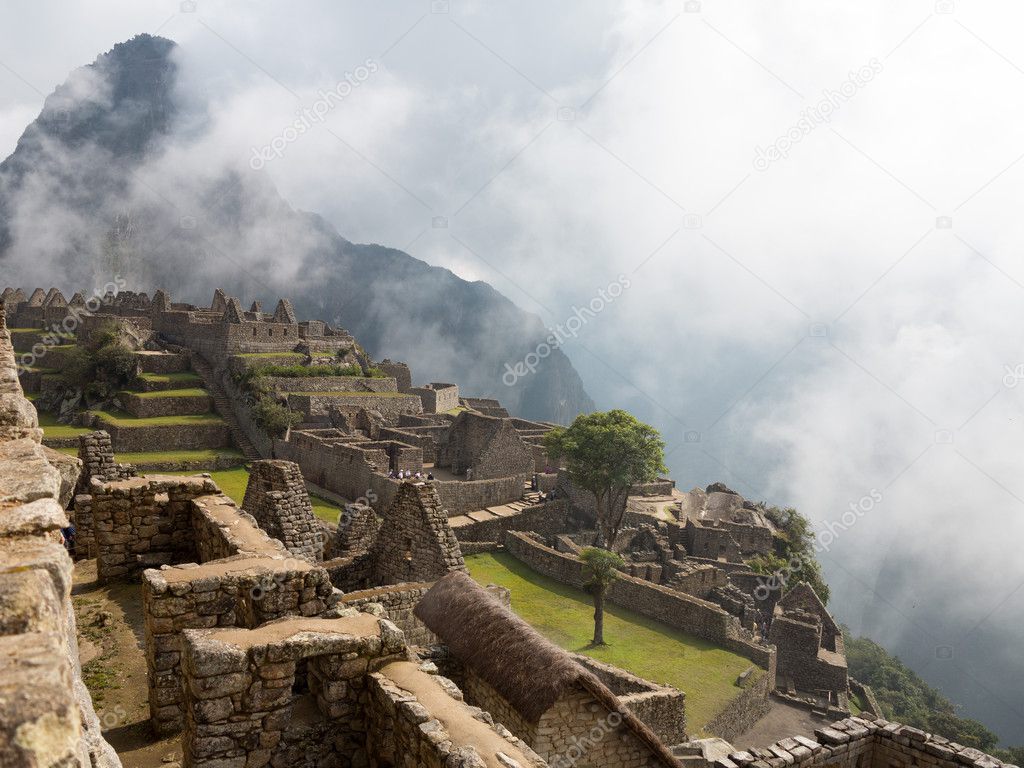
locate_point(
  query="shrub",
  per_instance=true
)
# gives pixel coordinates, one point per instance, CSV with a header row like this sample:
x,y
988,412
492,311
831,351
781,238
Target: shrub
x,y
115,361
273,417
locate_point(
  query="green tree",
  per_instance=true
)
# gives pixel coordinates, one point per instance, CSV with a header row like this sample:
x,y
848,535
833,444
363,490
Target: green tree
x,y
794,556
606,454
601,567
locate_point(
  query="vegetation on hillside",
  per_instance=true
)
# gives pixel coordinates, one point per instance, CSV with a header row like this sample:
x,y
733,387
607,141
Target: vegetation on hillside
x,y
606,454
100,368
906,698
794,558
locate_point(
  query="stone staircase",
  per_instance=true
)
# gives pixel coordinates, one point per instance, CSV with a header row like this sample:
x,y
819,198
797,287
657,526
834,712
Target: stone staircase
x,y
530,498
222,406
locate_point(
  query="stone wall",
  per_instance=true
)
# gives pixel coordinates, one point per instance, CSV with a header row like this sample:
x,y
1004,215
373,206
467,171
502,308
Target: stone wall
x,y
546,519
330,384
240,591
661,708
292,692
399,372
177,437
437,398
144,521
146,407
46,715
276,497
745,709
858,742
398,602
389,405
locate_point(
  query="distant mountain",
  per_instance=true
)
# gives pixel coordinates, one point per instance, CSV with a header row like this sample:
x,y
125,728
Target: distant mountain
x,y
118,177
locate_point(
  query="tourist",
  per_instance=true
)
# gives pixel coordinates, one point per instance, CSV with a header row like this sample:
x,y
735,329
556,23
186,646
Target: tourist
x,y
430,475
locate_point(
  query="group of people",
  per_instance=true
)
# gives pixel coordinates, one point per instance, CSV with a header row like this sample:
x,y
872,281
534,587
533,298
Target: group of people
x,y
408,474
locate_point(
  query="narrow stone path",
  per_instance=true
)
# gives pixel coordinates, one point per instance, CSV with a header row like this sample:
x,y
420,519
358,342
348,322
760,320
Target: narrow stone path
x,y
222,405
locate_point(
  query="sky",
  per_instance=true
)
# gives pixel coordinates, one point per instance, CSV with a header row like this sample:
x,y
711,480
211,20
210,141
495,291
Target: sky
x,y
786,233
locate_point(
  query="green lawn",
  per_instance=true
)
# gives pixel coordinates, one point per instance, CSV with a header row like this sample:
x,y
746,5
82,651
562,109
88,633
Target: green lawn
x,y
165,457
192,392
185,377
52,428
126,420
25,330
233,481
648,648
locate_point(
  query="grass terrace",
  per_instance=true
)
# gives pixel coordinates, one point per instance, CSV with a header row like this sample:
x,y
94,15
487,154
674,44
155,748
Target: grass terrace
x,y
120,419
192,392
25,330
185,378
643,646
54,429
199,457
233,482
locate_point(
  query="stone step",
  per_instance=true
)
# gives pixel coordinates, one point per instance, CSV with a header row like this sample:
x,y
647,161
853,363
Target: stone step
x,y
181,433
172,402
222,405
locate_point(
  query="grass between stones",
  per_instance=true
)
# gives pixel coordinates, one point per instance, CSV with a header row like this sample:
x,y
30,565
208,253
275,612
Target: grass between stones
x,y
268,355
186,377
232,483
643,646
192,392
119,419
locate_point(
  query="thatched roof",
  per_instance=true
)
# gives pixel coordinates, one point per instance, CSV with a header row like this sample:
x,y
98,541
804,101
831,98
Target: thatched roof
x,y
513,658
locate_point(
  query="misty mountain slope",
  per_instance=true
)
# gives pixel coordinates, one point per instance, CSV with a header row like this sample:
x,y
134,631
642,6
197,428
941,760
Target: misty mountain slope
x,y
118,178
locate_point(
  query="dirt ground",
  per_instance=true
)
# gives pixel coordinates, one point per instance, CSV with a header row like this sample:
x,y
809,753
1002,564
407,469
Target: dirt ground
x,y
782,721
113,658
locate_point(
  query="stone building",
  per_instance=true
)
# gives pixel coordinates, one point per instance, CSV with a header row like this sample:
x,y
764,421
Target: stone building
x,y
812,657
536,690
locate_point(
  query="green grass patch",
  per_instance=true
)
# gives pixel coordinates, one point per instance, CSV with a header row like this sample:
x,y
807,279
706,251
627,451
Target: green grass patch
x,y
193,392
185,377
206,455
643,646
232,483
25,330
62,347
54,429
119,419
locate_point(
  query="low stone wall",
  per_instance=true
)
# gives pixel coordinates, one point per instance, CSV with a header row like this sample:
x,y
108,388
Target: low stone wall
x,y
241,591
171,437
859,742
421,720
162,362
462,496
745,709
390,407
289,693
398,602
144,521
330,384
661,708
546,519
145,407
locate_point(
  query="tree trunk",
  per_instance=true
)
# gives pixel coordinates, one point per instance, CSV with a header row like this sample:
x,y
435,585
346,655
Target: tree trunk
x,y
598,617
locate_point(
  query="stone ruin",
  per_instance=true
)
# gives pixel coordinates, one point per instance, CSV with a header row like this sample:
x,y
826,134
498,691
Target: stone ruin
x,y
276,496
272,641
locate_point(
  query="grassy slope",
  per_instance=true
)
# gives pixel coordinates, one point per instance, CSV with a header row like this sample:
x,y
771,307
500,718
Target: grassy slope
x,y
186,377
233,481
645,647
